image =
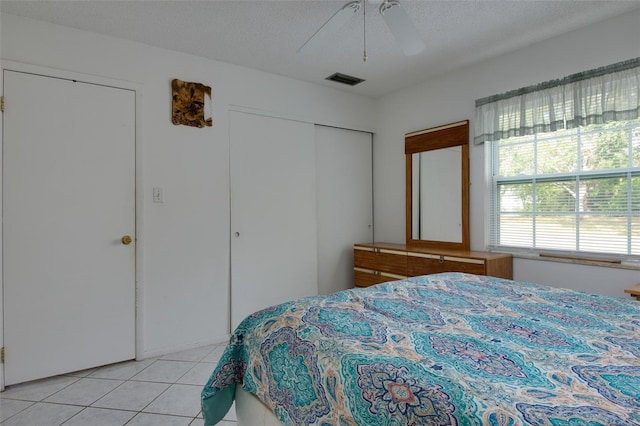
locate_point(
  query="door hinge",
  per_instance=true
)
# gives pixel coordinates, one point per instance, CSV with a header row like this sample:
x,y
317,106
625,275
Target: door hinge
x,y
2,103
2,355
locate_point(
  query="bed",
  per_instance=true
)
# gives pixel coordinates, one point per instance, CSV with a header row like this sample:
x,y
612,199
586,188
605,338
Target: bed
x,y
444,349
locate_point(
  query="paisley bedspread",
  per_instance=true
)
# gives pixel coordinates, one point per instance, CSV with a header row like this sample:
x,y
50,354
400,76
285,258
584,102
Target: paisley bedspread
x,y
445,349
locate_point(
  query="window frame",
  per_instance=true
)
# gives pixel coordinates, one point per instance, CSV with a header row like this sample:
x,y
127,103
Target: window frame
x,y
495,181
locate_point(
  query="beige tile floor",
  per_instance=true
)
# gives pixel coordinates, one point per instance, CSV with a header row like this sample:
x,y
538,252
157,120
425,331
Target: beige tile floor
x,y
163,391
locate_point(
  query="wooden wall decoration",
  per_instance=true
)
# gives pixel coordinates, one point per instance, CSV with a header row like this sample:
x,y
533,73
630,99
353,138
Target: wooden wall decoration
x,y
191,104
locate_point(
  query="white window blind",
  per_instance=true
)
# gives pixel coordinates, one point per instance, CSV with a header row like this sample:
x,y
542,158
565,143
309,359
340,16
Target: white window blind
x,y
564,165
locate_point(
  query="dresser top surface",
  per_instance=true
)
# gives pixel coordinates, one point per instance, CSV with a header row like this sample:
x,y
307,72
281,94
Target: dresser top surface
x,y
443,252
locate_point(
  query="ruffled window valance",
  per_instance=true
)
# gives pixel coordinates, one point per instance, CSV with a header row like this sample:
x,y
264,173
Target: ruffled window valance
x,y
610,93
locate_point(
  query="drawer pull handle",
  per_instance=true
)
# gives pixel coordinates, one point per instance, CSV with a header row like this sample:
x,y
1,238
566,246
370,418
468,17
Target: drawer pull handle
x,y
441,259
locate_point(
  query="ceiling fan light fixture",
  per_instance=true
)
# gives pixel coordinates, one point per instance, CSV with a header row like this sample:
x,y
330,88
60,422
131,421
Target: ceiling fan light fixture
x,y
401,27
331,26
406,34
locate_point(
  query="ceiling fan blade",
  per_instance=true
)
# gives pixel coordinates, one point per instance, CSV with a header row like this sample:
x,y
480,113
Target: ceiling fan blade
x,y
402,28
331,26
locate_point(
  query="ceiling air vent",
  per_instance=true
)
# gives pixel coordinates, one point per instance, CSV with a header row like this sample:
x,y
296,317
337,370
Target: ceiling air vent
x,y
345,79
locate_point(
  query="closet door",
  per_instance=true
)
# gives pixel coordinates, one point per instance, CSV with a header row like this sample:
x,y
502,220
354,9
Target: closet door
x,y
344,187
273,215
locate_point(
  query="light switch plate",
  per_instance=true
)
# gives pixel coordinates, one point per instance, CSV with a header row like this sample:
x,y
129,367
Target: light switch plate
x,y
157,195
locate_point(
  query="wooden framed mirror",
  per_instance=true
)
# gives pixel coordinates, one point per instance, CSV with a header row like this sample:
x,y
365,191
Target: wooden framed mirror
x,y
437,189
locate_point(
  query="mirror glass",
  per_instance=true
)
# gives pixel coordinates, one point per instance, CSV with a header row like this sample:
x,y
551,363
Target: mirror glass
x,y
437,195
438,187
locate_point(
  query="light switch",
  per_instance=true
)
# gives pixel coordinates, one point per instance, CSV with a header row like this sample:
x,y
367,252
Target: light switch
x,y
157,195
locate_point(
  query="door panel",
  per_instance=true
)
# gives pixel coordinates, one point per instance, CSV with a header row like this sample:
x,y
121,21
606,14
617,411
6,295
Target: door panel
x,y
68,198
344,181
273,217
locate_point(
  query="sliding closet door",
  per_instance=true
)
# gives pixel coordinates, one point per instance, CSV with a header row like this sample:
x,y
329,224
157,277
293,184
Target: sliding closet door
x,y
344,202
273,216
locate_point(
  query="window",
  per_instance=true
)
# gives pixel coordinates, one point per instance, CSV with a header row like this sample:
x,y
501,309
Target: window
x,y
564,163
573,190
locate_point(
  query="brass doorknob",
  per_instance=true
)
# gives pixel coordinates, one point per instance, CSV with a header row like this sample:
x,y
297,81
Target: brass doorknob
x,y
126,240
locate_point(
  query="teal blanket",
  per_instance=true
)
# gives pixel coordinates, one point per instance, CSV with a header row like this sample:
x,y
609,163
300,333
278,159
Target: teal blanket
x,y
445,349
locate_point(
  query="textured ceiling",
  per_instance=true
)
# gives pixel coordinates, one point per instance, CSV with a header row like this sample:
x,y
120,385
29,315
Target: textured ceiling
x,y
266,34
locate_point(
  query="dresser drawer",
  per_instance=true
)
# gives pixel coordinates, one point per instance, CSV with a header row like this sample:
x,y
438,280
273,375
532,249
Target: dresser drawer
x,y
383,260
368,277
424,264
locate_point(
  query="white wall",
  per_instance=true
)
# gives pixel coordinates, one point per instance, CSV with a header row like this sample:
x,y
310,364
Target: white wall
x,y
451,98
185,240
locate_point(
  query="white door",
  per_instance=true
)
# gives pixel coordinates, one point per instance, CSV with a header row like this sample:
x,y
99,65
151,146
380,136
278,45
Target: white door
x,y
273,217
344,188
68,199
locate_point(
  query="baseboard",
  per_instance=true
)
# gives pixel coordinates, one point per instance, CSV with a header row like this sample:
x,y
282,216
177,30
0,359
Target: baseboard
x,y
152,353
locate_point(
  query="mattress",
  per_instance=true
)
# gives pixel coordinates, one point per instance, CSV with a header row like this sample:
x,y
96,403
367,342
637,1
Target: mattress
x,y
250,411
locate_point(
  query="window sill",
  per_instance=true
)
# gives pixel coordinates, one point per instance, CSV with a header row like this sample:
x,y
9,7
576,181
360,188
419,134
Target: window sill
x,y
628,264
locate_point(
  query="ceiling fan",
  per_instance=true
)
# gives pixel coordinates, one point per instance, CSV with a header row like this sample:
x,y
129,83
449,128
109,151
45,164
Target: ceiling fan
x,y
405,33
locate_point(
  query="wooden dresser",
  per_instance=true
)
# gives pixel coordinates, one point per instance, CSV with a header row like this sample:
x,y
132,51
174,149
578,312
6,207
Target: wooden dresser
x,y
380,262
634,291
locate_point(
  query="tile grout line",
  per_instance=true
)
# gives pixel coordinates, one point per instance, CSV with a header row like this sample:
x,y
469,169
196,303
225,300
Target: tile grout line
x,y
175,382
197,361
